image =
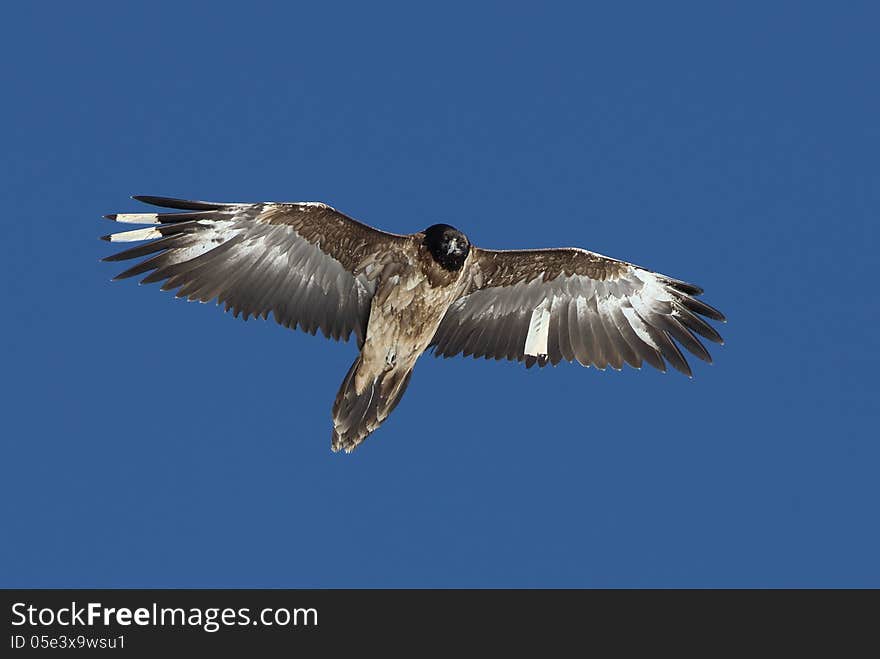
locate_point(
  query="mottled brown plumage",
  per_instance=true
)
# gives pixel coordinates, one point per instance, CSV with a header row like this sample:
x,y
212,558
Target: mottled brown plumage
x,y
509,267
312,267
403,320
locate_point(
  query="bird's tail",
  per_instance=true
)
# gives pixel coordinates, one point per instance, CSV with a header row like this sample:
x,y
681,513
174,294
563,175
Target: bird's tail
x,y
356,415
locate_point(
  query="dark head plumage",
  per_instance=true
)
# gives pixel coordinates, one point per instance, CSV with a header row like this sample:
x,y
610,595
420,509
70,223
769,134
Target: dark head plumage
x,y
448,246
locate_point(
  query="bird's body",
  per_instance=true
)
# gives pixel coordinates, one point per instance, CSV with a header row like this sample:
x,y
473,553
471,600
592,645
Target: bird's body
x,y
313,267
405,314
406,310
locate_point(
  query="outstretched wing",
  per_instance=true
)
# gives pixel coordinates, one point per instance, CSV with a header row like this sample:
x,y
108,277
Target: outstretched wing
x,y
306,263
547,305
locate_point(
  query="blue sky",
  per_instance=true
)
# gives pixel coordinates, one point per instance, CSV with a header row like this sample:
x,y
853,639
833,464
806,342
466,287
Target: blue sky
x,y
149,442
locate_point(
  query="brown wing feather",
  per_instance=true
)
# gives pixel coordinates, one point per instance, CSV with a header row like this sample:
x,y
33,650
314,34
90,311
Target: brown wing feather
x,y
548,305
509,267
305,263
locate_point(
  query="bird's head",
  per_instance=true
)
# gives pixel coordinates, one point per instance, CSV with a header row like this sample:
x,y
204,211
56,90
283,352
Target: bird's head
x,y
448,246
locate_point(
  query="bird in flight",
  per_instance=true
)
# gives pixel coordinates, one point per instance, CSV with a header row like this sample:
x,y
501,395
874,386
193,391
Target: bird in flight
x,y
312,267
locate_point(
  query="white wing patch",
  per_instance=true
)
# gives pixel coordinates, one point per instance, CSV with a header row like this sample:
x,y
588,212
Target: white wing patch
x,y
132,236
137,218
652,289
539,328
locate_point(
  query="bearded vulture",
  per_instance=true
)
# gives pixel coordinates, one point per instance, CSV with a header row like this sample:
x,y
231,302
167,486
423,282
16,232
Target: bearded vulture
x,y
315,268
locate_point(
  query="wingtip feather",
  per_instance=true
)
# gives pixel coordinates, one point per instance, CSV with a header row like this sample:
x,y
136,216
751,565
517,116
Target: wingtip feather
x,y
180,204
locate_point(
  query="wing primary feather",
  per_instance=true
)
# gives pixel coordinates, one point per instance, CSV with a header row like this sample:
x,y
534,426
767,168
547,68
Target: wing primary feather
x,y
645,333
630,345
700,307
163,218
681,334
698,325
172,268
168,242
183,204
668,348
683,286
140,268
